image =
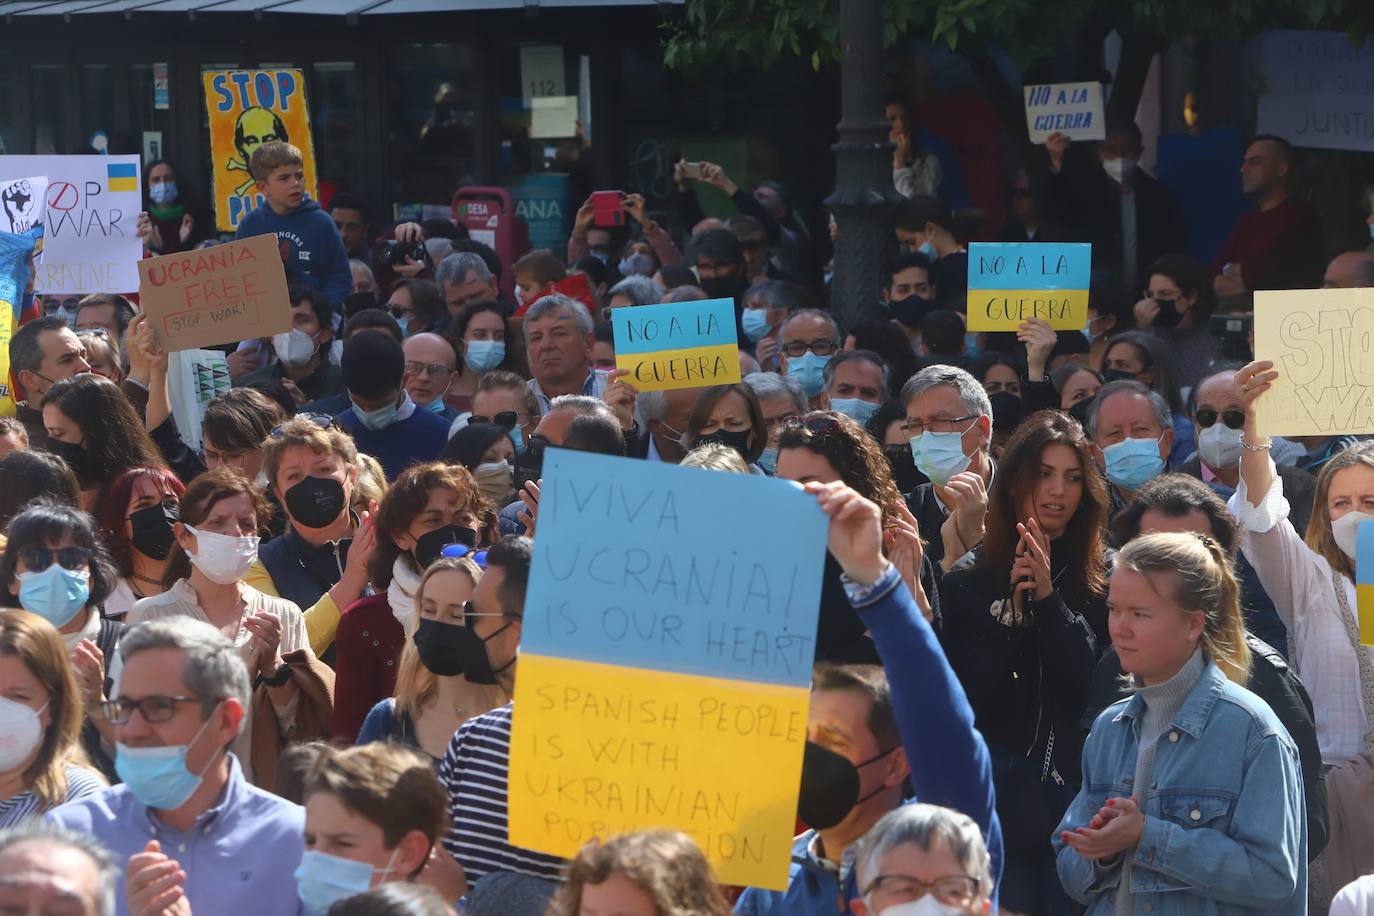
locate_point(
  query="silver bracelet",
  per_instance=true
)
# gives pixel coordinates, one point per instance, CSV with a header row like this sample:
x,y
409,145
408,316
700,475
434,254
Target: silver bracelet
x,y
1268,443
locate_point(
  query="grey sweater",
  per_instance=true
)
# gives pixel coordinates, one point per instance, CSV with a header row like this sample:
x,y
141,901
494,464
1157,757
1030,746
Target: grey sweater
x,y
1162,703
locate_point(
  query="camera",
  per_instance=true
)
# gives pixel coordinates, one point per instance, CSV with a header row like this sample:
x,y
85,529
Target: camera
x,y
1234,331
393,254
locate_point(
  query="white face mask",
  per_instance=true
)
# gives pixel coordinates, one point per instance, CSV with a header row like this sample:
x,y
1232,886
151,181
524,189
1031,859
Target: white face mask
x,y
1119,170
1219,445
223,558
1346,530
294,347
926,906
20,732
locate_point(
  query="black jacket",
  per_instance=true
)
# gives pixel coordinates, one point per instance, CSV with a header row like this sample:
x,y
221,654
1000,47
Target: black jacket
x,y
1026,682
1273,682
929,517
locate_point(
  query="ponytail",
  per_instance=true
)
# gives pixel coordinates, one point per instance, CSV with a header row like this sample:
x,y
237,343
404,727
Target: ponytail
x,y
1205,584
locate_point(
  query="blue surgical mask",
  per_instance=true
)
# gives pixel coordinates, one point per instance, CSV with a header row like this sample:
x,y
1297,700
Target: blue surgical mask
x,y
940,456
1131,463
928,249
323,880
769,460
854,408
1371,231
162,194
436,405
55,593
755,323
484,355
404,322
157,776
809,370
517,437
378,419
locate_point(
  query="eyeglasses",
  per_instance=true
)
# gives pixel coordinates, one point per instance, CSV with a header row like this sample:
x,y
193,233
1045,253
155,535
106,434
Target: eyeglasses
x,y
953,890
94,332
1233,417
799,348
218,458
1146,294
433,370
914,428
400,311
505,419
322,420
470,611
39,558
66,305
154,709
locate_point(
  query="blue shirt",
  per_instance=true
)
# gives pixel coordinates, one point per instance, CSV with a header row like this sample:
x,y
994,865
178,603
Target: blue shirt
x,y
418,437
238,857
1225,817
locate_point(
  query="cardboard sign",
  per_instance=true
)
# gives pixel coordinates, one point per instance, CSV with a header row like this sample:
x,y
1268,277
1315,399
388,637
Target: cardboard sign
x,y
1071,109
1322,344
661,648
1317,87
1364,581
219,295
247,108
1009,282
90,227
677,345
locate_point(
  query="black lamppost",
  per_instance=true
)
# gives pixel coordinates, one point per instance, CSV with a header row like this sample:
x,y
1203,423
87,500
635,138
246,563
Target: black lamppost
x,y
864,193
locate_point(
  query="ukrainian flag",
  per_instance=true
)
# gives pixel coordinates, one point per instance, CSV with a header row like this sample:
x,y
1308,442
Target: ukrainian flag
x,y
122,176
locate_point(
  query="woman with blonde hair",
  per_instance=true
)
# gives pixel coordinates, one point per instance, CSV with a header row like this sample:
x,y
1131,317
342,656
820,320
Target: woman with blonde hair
x,y
1192,797
1312,584
648,873
41,761
432,696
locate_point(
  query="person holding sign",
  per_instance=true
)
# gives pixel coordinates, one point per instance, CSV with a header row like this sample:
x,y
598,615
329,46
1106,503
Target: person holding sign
x,y
1313,587
869,728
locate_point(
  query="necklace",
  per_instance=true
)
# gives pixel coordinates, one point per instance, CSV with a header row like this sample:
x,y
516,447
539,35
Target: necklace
x,y
145,579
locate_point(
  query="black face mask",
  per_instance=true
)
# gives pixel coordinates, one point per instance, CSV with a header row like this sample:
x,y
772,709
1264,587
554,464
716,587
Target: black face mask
x,y
910,311
152,527
723,287
1116,375
430,546
439,646
739,441
903,466
74,456
315,502
1008,410
1168,316
830,786
1079,411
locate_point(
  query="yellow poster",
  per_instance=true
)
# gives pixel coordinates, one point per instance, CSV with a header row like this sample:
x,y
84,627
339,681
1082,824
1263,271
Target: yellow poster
x,y
8,408
246,109
600,750
1322,344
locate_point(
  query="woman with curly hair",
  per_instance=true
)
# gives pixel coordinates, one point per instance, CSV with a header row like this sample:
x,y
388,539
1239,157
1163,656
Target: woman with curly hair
x,y
1023,615
826,446
652,872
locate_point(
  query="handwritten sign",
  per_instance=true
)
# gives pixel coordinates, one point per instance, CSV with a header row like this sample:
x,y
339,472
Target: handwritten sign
x,y
247,108
677,345
1317,87
1364,581
90,226
216,295
1072,109
1009,282
1322,344
660,648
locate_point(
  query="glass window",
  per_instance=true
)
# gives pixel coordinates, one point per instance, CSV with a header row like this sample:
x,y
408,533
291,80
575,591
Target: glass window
x,y
333,93
431,102
98,104
8,138
47,107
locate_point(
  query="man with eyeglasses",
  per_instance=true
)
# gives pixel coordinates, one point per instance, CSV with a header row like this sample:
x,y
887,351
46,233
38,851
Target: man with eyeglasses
x,y
476,768
429,370
189,828
807,341
949,423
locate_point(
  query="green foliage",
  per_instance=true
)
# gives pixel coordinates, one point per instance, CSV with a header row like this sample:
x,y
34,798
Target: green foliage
x,y
762,32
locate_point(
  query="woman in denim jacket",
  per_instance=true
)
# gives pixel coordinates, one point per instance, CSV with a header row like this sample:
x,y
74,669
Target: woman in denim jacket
x,y
1192,798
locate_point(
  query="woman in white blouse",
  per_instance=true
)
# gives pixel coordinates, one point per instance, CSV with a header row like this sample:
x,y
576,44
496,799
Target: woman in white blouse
x,y
216,543
1312,584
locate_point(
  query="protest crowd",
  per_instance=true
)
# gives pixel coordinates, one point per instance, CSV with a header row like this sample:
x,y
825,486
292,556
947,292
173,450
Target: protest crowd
x,y
1087,638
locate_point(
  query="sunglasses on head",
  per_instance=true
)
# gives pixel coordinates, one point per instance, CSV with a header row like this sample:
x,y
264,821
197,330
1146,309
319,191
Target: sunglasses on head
x,y
816,424
322,420
505,419
40,558
1233,417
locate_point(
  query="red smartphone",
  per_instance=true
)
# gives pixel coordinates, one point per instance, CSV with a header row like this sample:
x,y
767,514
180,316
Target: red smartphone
x,y
607,209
